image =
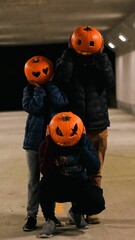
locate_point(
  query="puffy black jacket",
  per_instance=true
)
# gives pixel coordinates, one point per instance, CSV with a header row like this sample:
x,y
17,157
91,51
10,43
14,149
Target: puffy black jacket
x,y
41,104
85,79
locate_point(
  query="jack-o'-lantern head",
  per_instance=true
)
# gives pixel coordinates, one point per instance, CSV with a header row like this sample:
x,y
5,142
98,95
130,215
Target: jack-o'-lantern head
x,y
66,129
86,40
38,69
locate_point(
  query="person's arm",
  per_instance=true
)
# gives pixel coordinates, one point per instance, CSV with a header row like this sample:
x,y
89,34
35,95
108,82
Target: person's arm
x,y
33,99
89,155
57,98
104,68
63,69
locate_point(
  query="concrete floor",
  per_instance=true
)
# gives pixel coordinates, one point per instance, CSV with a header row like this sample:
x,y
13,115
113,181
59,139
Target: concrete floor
x,y
117,221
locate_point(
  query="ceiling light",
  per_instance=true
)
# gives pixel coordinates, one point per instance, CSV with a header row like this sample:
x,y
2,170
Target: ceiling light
x,y
111,45
122,38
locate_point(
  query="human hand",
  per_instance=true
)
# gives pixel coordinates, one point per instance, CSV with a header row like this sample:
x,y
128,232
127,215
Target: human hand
x,y
102,46
69,43
34,83
83,139
47,131
84,130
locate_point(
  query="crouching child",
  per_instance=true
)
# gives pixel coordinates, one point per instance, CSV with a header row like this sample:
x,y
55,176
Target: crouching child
x,y
67,160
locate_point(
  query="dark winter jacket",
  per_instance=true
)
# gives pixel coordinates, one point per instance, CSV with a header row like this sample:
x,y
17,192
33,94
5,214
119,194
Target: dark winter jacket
x,y
85,79
41,104
82,158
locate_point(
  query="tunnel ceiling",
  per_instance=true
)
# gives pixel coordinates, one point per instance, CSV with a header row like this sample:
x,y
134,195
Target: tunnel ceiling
x,y
24,22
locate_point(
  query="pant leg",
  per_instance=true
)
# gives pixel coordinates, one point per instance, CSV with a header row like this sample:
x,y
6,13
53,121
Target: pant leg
x,y
90,200
87,199
46,198
33,182
57,188
99,139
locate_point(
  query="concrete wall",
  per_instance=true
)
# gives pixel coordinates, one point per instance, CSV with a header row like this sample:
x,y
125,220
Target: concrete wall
x,y
125,82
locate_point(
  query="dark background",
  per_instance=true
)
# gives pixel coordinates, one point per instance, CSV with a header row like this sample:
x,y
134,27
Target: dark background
x,y
13,80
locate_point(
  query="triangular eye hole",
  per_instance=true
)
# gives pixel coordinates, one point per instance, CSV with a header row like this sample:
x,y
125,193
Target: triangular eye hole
x,y
58,131
36,74
91,43
79,42
45,71
74,130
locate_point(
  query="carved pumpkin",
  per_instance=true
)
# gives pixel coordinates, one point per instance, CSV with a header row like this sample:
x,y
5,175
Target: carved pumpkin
x,y
66,129
38,69
86,40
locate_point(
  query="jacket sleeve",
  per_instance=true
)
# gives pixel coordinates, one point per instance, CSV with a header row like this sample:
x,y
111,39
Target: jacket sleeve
x,y
104,67
63,69
89,155
57,98
33,99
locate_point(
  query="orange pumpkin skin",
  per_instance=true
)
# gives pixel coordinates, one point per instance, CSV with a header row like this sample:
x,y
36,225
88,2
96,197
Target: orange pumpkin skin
x,y
66,129
86,40
38,69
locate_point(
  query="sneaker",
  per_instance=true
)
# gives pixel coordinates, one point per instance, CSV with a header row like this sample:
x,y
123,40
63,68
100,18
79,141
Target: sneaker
x,y
30,225
93,219
77,219
48,229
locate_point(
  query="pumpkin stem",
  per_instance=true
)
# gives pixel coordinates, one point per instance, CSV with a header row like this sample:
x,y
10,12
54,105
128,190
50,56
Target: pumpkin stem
x,y
35,60
65,117
87,29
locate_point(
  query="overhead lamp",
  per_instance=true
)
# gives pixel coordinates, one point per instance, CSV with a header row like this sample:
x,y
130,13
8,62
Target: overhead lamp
x,y
111,45
122,38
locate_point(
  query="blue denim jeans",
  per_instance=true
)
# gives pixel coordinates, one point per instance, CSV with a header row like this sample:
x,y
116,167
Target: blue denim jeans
x,y
33,183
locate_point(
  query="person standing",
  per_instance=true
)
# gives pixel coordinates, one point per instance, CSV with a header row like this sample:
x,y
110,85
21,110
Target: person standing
x,y
41,100
85,74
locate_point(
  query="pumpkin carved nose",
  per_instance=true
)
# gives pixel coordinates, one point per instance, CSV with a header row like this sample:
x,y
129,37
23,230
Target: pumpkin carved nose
x,y
91,43
45,71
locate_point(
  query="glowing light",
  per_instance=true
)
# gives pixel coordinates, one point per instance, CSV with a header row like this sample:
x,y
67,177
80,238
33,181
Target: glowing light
x,y
111,45
122,38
